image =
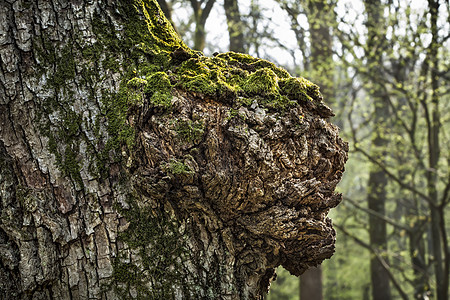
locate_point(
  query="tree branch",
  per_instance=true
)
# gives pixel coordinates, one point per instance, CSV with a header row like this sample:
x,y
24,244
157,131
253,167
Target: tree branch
x,y
379,258
206,11
378,215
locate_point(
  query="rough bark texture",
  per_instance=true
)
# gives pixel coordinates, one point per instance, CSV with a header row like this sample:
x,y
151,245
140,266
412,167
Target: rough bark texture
x,y
125,175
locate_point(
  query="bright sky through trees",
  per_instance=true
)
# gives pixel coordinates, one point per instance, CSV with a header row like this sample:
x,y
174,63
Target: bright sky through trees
x,y
277,22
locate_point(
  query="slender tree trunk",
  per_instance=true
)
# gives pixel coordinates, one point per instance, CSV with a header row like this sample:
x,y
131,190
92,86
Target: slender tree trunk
x,y
321,18
235,25
417,253
126,173
377,178
199,37
377,228
201,14
320,13
434,153
311,284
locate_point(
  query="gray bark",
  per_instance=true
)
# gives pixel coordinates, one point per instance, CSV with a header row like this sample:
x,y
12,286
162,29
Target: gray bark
x,y
107,194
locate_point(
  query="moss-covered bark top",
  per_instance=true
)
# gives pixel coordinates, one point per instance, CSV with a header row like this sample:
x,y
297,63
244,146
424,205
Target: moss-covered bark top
x,y
232,78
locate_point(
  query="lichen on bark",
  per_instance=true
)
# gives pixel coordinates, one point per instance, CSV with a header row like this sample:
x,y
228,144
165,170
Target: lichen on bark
x,y
153,171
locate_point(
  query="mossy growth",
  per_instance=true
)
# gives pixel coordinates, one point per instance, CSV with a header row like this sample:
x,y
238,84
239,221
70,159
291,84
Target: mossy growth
x,y
155,237
230,76
135,87
190,131
206,76
249,62
143,55
116,109
159,89
299,89
263,82
177,167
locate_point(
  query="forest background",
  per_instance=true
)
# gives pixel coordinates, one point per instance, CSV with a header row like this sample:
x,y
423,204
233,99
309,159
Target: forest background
x,y
383,66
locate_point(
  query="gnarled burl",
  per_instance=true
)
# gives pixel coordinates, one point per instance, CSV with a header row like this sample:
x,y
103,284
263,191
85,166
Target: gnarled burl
x,y
134,167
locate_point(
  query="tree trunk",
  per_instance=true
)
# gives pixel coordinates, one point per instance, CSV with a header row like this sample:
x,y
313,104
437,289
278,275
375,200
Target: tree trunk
x,y
201,14
133,167
377,177
321,17
311,284
417,253
434,123
235,25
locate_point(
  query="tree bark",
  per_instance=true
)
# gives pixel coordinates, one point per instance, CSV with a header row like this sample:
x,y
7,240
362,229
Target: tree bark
x,y
133,167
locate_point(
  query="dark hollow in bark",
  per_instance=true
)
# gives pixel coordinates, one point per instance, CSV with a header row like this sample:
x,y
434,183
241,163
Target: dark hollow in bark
x,y
134,167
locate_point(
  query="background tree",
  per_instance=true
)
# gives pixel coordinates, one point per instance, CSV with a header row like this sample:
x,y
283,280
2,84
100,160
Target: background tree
x,y
235,25
201,9
377,184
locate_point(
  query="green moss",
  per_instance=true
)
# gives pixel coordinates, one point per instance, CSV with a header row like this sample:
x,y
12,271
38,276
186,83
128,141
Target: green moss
x,y
135,87
263,82
64,66
159,89
198,83
137,83
176,167
190,131
300,89
238,57
206,76
232,113
70,164
72,124
249,62
150,28
229,76
116,108
156,239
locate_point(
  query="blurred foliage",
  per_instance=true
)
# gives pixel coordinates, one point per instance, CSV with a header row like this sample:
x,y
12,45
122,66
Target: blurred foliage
x,y
285,287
